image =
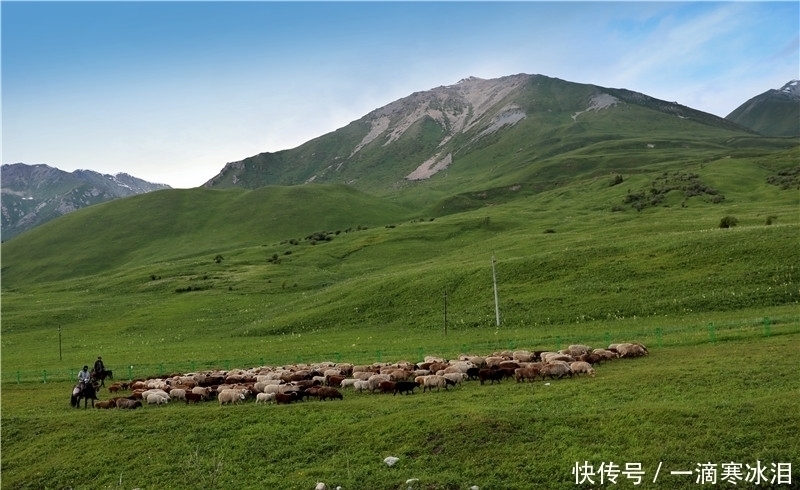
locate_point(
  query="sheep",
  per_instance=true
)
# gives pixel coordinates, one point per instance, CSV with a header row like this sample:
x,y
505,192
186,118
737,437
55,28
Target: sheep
x,y
281,398
522,356
361,385
177,394
555,370
590,358
156,399
455,378
193,397
578,367
493,361
434,380
205,392
521,374
605,354
406,387
128,403
228,395
631,350
106,404
326,392
265,397
335,380
576,350
387,386
490,374
347,383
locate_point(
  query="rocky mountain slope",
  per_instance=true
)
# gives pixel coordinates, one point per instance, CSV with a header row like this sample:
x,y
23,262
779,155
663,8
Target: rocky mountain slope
x,y
35,194
449,131
773,113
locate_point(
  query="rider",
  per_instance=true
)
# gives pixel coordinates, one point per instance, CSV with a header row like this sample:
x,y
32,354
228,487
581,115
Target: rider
x,y
84,377
99,368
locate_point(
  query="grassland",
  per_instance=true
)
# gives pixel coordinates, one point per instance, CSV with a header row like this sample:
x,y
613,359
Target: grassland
x,y
245,287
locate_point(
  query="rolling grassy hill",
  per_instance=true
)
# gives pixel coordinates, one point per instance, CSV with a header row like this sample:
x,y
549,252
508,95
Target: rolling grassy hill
x,y
599,234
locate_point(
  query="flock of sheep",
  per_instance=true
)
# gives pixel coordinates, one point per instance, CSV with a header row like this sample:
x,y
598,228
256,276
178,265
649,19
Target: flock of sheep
x,y
326,380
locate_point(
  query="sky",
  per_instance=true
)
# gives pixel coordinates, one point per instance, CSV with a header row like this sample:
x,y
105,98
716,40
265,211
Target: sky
x,y
170,92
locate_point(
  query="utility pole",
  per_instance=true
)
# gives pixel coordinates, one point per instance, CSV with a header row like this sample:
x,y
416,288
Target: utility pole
x,y
445,311
496,304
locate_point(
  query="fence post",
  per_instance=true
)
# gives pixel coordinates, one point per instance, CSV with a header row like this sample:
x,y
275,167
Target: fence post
x,y
766,327
712,336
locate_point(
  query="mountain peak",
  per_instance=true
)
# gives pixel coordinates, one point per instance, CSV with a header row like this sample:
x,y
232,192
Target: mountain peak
x,y
792,88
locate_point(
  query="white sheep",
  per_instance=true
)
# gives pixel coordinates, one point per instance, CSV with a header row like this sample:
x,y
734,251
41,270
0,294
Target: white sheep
x,y
230,396
265,397
177,394
456,378
361,385
156,399
578,367
348,383
434,380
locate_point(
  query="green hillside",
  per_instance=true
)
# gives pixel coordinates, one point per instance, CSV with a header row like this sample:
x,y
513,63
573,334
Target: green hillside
x,y
622,224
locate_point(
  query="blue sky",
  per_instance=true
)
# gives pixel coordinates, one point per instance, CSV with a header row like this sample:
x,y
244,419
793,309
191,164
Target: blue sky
x,y
170,92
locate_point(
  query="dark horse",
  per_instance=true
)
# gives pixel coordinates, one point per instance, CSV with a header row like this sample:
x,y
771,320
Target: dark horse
x,y
89,392
102,375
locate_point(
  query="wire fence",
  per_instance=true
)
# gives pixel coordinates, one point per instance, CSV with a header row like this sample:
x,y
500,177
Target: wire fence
x,y
652,337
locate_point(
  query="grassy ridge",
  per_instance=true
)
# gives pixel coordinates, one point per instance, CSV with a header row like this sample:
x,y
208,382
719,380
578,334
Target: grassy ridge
x,y
139,284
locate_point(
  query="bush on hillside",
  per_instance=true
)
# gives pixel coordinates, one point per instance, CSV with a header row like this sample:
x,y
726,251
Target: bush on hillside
x,y
728,222
771,219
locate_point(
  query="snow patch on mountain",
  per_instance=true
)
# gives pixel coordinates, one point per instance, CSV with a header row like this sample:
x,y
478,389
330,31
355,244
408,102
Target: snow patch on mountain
x,y
792,88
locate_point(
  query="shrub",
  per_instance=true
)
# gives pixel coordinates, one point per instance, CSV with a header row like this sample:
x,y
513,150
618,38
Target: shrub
x,y
771,219
615,179
728,222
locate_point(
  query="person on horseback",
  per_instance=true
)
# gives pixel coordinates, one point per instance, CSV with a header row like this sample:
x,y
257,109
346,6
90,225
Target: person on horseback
x,y
84,377
99,368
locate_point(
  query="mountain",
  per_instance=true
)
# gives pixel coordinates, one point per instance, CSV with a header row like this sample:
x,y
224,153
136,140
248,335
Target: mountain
x,y
521,127
773,113
35,194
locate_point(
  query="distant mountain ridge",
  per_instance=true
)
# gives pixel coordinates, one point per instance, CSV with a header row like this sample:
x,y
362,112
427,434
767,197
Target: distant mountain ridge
x,y
776,112
447,130
35,194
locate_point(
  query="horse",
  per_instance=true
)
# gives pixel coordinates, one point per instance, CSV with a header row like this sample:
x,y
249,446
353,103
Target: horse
x,y
102,375
89,392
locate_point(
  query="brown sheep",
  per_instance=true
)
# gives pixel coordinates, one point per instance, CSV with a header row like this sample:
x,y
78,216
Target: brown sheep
x,y
386,386
521,374
326,392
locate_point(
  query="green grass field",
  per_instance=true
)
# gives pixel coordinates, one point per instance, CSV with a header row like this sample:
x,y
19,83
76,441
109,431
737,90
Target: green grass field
x,y
243,287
